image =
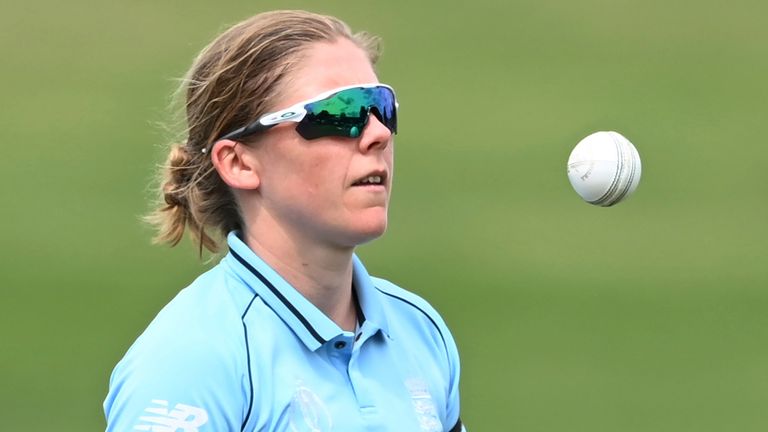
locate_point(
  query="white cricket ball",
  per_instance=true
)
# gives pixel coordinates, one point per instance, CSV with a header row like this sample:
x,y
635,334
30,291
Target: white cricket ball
x,y
604,168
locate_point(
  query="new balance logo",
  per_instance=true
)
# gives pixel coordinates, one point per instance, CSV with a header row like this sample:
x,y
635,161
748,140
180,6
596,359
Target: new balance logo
x,y
182,418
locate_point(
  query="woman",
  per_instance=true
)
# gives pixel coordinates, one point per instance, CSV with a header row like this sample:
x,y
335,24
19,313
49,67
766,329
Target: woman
x,y
289,154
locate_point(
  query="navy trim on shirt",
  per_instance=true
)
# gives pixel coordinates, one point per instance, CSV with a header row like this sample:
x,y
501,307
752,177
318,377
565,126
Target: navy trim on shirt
x,y
248,359
456,427
419,309
280,296
358,308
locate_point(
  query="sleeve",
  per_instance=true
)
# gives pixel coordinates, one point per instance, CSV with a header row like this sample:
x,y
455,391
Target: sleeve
x,y
453,409
180,381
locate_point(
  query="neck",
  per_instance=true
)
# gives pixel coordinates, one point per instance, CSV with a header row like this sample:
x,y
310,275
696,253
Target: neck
x,y
322,274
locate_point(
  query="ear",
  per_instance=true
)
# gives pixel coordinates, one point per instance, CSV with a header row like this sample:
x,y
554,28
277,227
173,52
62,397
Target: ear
x,y
236,164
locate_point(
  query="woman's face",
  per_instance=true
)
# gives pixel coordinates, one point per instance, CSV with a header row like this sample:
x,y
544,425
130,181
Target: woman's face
x,y
312,189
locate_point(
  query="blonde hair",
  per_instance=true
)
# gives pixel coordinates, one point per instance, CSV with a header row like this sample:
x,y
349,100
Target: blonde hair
x,y
233,81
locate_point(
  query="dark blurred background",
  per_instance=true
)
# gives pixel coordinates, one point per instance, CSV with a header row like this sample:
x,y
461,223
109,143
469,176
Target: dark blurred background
x,y
647,316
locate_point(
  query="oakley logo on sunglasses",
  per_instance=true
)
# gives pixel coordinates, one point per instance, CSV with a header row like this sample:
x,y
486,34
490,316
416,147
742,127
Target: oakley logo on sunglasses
x,y
341,112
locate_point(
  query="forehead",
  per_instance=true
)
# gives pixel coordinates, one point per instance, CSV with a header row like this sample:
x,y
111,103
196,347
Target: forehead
x,y
328,65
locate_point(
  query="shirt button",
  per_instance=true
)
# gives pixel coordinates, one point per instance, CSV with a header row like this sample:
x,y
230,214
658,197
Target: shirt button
x,y
340,345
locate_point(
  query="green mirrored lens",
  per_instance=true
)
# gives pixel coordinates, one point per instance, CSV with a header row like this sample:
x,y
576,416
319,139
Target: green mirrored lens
x,y
346,113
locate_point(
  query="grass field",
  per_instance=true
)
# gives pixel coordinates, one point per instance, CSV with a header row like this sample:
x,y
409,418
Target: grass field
x,y
648,316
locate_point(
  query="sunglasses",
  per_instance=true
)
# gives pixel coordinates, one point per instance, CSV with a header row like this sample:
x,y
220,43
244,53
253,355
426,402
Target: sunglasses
x,y
341,112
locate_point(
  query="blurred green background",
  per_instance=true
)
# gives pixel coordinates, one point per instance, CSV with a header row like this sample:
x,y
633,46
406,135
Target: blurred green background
x,y
647,316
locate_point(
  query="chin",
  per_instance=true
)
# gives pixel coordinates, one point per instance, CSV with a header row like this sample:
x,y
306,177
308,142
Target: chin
x,y
373,235
372,232
366,230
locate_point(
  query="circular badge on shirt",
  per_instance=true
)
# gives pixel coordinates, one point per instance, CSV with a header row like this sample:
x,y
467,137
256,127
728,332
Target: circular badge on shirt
x,y
308,412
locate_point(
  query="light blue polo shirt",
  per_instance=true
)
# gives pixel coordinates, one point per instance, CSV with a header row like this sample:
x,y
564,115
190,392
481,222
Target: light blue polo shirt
x,y
241,350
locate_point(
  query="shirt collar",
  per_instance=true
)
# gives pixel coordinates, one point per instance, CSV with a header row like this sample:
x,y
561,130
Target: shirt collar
x,y
369,297
309,324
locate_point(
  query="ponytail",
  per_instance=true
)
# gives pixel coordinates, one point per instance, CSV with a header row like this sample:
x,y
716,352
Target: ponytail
x,y
186,184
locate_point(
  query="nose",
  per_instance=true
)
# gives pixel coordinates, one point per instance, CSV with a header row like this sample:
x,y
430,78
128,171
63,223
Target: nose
x,y
375,135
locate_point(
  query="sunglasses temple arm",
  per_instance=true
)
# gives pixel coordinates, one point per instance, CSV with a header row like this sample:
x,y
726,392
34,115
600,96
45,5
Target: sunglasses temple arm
x,y
250,129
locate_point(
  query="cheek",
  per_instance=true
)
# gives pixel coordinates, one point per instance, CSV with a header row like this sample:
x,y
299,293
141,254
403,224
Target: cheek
x,y
321,173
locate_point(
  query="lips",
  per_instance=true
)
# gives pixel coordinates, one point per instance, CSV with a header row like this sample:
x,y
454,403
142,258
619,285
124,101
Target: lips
x,y
377,178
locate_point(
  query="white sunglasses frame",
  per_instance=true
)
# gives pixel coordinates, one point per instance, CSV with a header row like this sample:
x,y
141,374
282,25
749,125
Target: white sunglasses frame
x,y
296,112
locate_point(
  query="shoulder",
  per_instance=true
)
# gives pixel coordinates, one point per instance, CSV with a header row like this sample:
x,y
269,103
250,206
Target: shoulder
x,y
408,301
204,308
417,315
193,353
201,325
